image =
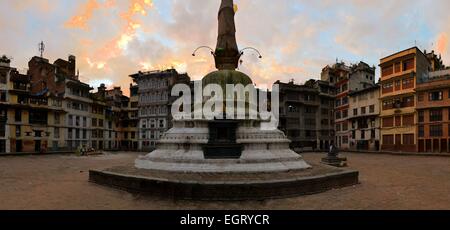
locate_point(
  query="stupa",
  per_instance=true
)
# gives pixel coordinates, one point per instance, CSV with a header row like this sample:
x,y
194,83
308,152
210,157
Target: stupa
x,y
223,159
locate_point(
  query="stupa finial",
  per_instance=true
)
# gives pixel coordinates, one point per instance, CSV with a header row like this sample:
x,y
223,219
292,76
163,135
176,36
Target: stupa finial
x,y
227,53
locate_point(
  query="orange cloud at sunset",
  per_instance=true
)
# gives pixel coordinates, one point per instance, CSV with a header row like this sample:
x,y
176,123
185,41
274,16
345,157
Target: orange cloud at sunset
x,y
442,43
85,14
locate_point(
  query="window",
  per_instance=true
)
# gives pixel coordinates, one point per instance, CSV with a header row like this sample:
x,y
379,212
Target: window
x,y
408,64
77,121
388,104
161,123
338,127
94,122
56,133
85,122
309,110
408,139
436,96
421,131
338,102
84,134
388,122
345,101
388,88
133,135
372,134
386,71
37,133
2,131
397,85
421,116
388,139
355,112
435,115
70,120
398,121
18,131
100,123
398,67
70,133
345,114
18,115
325,111
363,110
57,118
363,135
38,117
345,126
420,96
372,109
338,114
408,83
345,139
344,87
3,96
436,131
77,134
408,102
408,120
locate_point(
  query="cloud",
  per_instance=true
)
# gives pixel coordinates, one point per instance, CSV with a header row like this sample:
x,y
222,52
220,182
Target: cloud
x,y
297,38
442,43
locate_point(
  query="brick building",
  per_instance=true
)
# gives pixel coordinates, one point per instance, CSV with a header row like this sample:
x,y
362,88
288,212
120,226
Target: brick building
x,y
433,112
346,79
400,73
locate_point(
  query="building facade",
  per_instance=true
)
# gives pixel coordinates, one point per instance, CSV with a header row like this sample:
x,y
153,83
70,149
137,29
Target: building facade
x,y
346,79
400,74
433,112
364,119
154,104
306,114
49,109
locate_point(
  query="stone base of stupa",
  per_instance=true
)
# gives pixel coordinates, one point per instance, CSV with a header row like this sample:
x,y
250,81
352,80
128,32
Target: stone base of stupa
x,y
225,186
266,168
182,150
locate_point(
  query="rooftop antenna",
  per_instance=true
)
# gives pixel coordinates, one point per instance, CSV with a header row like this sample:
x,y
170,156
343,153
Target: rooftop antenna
x,y
42,48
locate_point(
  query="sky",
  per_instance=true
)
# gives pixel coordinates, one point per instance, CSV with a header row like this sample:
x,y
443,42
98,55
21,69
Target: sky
x,y
297,38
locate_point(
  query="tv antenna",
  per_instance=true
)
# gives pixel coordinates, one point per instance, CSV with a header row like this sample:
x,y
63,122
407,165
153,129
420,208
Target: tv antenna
x,y
42,48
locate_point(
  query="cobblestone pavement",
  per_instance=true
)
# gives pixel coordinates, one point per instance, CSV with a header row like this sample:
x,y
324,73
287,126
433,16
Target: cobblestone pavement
x,y
61,182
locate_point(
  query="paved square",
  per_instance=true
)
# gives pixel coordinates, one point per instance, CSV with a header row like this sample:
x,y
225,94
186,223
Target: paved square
x,y
61,182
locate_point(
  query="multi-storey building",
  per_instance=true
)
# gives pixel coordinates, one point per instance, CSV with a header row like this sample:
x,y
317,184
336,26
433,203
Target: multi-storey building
x,y
119,119
60,82
400,73
49,109
154,103
130,121
346,79
433,112
364,119
325,113
306,114
5,72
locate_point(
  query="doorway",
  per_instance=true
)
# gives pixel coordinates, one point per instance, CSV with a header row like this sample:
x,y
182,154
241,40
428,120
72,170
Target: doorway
x,y
37,146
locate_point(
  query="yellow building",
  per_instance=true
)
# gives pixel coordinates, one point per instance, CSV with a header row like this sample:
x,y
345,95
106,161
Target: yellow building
x,y
400,73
